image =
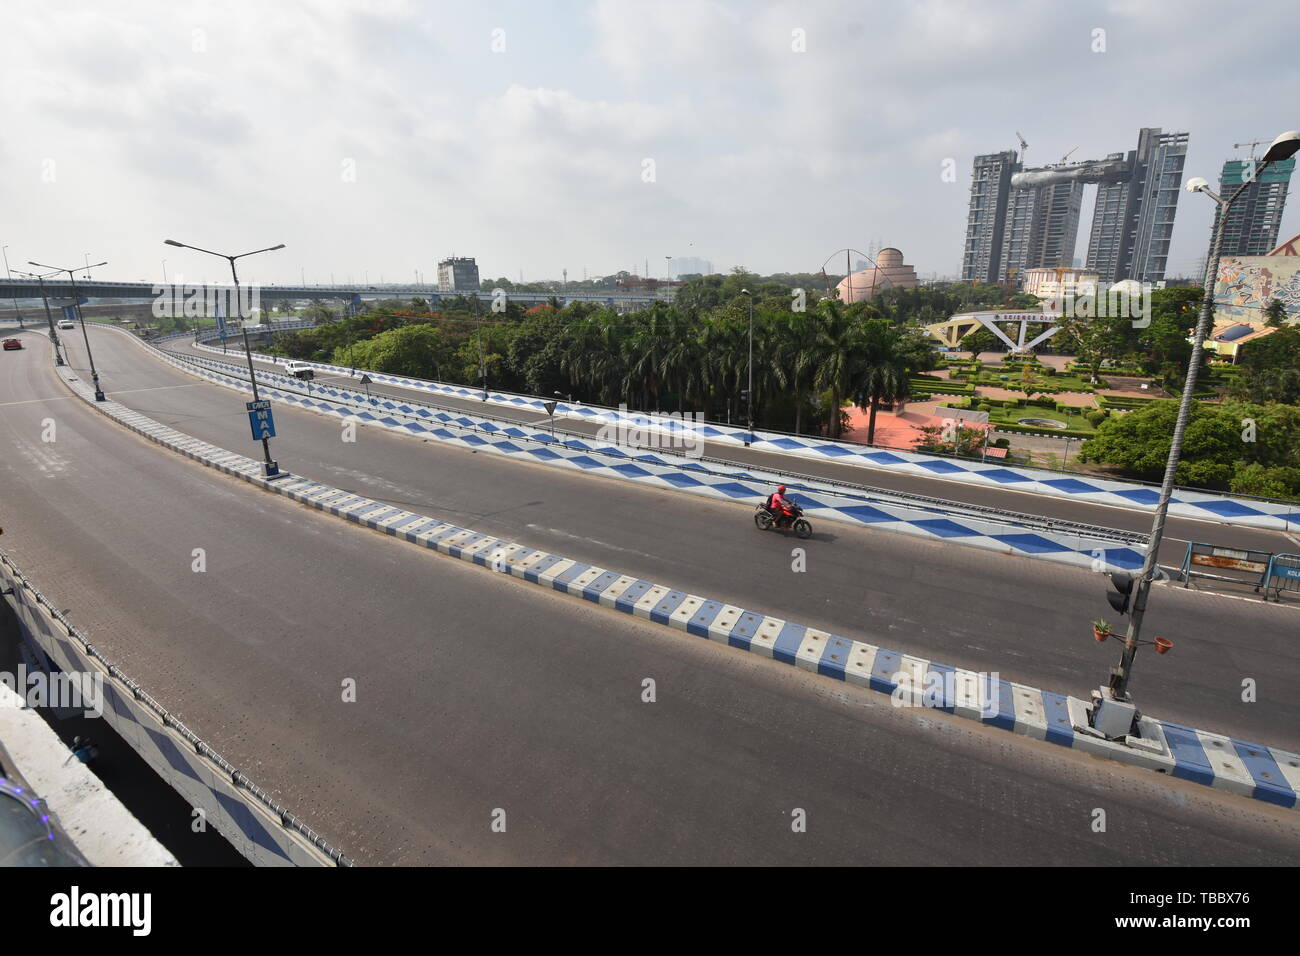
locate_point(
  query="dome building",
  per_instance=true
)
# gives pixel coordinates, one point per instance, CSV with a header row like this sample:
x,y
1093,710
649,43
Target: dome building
x,y
890,272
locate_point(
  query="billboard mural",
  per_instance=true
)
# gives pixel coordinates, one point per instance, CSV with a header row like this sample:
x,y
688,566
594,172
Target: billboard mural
x,y
1247,284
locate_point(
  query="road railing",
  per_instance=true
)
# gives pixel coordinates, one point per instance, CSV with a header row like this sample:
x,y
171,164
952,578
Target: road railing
x,y
1226,508
260,828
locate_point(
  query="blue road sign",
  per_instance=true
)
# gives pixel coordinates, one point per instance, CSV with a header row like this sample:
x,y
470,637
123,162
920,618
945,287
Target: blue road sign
x,y
260,420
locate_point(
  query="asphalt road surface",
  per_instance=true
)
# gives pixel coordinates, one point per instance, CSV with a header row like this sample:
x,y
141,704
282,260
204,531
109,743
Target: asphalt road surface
x,y
479,693
1026,619
1178,530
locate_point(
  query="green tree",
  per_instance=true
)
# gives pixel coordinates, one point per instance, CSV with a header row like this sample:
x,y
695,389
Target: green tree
x,y
980,340
1138,443
415,350
1270,368
839,359
1093,339
1275,314
887,360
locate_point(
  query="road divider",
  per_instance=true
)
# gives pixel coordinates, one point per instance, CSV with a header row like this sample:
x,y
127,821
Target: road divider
x,y
262,830
1087,546
1225,509
1253,770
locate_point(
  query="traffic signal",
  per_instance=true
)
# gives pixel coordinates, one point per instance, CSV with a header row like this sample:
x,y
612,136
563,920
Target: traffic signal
x,y
744,394
1123,593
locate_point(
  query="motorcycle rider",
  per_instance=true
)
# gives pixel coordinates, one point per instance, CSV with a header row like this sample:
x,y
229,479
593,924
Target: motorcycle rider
x,y
780,507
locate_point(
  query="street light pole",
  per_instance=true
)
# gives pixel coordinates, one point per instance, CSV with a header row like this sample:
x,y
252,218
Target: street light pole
x,y
749,394
49,319
270,467
14,299
1285,146
76,305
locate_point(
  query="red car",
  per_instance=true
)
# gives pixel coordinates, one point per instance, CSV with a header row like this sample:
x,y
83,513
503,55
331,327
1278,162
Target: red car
x,y
11,344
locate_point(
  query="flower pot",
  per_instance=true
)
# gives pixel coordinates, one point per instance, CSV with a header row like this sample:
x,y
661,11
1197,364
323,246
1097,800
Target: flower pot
x,y
1163,644
1099,634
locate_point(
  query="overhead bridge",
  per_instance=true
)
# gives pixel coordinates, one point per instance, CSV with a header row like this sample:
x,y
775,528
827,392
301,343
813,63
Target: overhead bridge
x,y
11,289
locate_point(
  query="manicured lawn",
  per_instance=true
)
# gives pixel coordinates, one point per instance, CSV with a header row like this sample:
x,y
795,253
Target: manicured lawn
x,y
992,375
1013,416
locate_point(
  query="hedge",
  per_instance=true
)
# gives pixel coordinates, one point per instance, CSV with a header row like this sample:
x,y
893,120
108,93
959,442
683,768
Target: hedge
x,y
1039,430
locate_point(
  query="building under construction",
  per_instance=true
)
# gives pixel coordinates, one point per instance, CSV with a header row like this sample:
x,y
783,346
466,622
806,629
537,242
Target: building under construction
x,y
1021,218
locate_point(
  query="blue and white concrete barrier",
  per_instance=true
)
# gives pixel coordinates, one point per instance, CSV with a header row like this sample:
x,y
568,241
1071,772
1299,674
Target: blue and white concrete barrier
x,y
1260,772
1029,537
1190,504
265,833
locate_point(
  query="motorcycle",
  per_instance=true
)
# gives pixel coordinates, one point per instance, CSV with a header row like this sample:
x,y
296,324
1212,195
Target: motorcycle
x,y
795,520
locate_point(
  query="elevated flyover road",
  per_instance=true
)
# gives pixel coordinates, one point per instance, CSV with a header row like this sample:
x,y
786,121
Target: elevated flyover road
x,y
1024,619
1179,530
481,699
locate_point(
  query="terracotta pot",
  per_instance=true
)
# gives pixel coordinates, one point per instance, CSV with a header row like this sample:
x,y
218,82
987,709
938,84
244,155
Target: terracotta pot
x,y
1099,634
1163,644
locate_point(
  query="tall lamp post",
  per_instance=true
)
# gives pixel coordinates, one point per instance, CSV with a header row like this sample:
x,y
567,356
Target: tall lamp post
x,y
269,467
49,319
749,392
4,250
1284,147
76,304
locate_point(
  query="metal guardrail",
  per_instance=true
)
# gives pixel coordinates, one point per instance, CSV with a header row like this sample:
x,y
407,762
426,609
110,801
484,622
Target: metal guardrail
x,y
1282,574
945,506
1253,565
237,777
1049,473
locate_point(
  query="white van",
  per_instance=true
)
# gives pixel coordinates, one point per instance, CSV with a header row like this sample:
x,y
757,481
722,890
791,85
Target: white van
x,y
300,370
66,324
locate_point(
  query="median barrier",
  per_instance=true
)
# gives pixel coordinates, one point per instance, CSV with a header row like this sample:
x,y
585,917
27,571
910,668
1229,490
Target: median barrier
x,y
1227,509
1263,773
264,832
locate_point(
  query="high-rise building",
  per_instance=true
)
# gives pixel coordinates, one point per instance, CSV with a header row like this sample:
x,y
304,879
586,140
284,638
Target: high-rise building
x,y
457,275
1256,216
690,265
1042,224
1059,225
990,191
1029,218
1133,219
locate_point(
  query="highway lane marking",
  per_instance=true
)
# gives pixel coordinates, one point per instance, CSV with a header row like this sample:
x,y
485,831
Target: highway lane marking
x,y
1038,495
603,544
151,388
37,401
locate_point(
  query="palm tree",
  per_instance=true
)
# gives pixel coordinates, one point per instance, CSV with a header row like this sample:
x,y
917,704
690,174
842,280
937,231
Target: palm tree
x,y
887,360
839,354
795,362
644,351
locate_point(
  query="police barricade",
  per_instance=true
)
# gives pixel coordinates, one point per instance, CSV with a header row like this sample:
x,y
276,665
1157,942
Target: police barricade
x,y
1283,574
1250,567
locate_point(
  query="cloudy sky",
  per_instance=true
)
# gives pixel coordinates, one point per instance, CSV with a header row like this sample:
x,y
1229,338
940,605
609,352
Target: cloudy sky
x,y
377,137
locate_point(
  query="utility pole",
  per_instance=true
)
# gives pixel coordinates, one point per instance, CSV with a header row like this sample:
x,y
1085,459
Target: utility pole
x,y
49,319
76,305
270,468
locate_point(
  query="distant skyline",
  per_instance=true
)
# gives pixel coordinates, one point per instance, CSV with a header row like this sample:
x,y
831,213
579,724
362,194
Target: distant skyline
x,y
385,136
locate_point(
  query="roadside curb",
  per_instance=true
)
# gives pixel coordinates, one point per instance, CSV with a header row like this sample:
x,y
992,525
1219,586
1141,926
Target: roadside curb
x,y
1263,773
1095,549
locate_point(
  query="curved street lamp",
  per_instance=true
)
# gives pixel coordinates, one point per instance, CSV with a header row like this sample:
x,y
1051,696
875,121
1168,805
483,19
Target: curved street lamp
x,y
49,319
76,304
269,467
1283,147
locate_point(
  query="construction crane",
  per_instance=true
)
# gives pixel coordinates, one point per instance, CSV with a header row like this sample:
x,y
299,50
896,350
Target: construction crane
x,y
1023,145
1252,144
1067,155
